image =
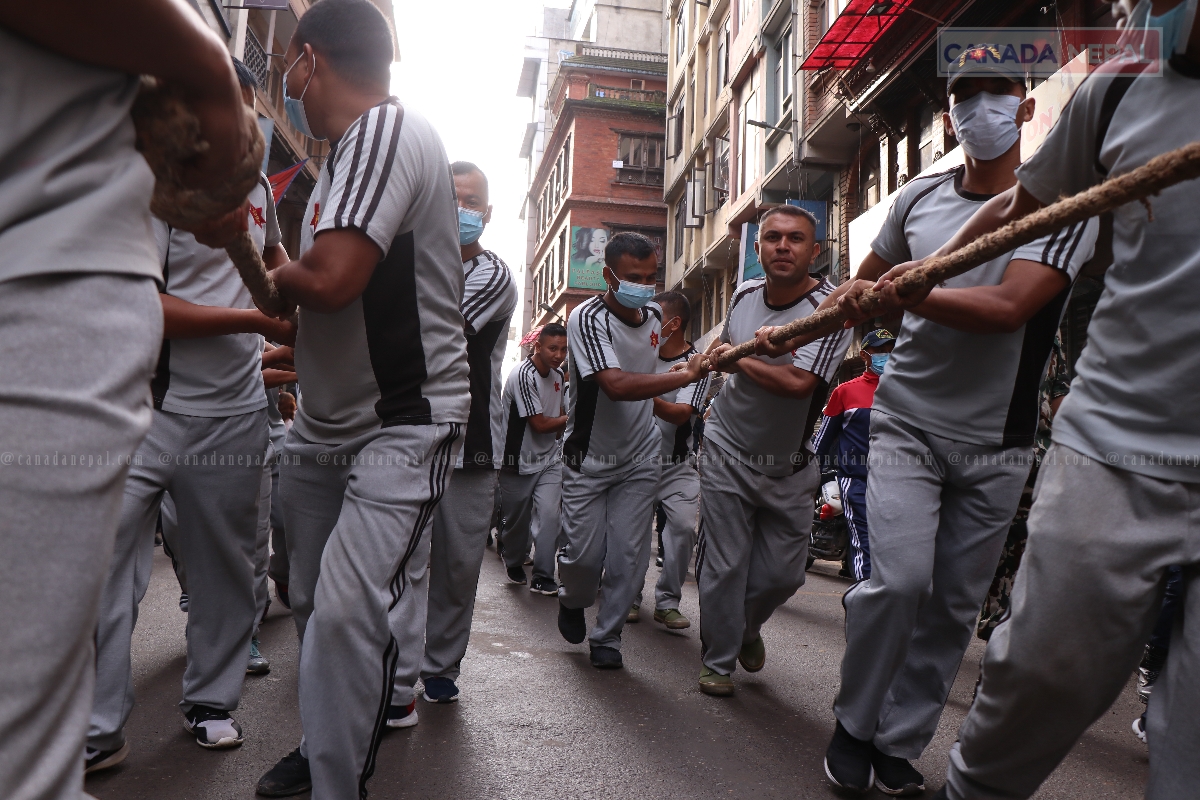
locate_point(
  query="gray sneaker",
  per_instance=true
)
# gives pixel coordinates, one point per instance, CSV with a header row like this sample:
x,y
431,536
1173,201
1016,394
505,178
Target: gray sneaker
x,y
257,664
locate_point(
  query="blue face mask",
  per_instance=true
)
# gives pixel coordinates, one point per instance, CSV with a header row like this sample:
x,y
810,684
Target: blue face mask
x,y
878,362
633,295
1176,25
470,226
294,106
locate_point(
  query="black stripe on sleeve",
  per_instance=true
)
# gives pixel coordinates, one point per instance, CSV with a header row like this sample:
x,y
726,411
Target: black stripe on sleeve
x,y
385,170
380,116
339,220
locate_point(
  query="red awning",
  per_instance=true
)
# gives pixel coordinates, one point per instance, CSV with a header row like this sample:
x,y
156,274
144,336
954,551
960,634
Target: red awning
x,y
852,35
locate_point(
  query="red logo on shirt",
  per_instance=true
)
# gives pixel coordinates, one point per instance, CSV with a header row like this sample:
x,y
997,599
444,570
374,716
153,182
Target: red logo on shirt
x,y
257,215
653,339
556,386
316,216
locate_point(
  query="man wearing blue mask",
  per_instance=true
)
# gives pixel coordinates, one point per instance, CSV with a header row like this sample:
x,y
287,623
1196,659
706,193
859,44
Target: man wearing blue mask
x,y
847,423
611,446
952,431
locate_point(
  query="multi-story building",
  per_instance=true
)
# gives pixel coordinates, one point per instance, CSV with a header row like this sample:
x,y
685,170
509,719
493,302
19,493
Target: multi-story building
x,y
594,146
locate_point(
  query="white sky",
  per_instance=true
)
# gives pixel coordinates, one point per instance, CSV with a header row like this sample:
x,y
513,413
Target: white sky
x,y
459,64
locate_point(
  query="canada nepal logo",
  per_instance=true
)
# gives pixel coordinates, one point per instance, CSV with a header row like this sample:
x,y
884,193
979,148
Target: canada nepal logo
x,y
556,386
653,339
256,214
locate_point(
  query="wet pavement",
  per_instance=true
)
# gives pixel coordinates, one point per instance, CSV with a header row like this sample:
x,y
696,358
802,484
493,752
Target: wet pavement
x,y
537,721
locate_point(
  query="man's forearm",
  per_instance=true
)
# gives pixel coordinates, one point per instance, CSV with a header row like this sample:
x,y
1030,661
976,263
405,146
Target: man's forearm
x,y
623,386
674,413
783,380
184,320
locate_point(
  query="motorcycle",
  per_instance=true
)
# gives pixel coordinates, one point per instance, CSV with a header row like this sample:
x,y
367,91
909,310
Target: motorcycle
x,y
830,538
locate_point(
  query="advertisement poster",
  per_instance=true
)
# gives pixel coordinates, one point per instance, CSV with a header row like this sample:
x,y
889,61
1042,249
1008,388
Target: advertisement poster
x,y
748,259
819,209
587,258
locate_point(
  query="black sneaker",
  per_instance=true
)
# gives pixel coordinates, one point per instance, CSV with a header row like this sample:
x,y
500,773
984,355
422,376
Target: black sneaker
x,y
1153,661
543,586
572,624
895,776
517,575
848,761
290,776
606,658
96,760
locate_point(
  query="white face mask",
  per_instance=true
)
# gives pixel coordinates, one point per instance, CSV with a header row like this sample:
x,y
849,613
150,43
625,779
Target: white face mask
x,y
986,124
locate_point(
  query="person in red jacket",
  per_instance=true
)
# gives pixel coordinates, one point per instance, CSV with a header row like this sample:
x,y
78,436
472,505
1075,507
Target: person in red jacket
x,y
847,426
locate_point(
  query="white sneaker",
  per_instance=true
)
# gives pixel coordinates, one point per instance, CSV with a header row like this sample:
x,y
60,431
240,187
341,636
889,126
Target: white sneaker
x,y
1139,728
213,729
402,716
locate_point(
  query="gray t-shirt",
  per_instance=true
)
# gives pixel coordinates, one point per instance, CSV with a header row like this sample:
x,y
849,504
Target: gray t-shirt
x,y
528,392
74,194
764,431
608,437
678,440
969,387
1133,404
397,354
212,376
489,299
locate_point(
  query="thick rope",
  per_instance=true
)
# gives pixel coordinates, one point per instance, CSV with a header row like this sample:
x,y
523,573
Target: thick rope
x,y
1139,184
168,136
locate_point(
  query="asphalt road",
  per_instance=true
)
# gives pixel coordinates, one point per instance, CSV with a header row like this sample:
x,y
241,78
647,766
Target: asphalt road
x,y
537,721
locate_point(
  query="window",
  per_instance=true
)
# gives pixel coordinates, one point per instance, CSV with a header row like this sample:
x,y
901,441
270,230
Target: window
x,y
680,219
868,178
743,11
691,101
680,32
675,131
750,143
720,167
704,97
636,84
641,157
925,151
784,79
723,58
566,165
562,257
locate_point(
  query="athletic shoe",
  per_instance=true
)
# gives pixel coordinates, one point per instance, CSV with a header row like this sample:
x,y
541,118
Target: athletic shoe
x,y
658,561
517,575
96,760
895,776
571,624
1139,727
848,762
266,610
543,586
672,618
281,591
1153,660
606,657
258,664
715,683
290,776
490,538
528,561
440,690
213,728
635,614
402,716
753,655
183,602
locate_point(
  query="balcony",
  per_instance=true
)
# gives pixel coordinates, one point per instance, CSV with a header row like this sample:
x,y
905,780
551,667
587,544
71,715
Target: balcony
x,y
255,59
616,53
616,94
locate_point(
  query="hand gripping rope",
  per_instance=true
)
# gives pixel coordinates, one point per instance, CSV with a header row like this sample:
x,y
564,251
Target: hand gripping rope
x,y
1149,179
168,136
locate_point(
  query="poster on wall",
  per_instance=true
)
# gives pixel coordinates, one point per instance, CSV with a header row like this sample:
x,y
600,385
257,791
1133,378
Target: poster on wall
x,y
587,258
748,266
819,209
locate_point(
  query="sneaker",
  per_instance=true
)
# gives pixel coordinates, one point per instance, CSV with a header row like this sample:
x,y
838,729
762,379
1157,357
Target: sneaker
x,y
517,575
671,618
1139,727
258,664
490,539
848,762
606,657
402,716
440,690
571,624
528,561
281,591
635,614
183,602
753,655
658,561
290,776
715,683
895,776
543,586
1153,660
213,728
96,760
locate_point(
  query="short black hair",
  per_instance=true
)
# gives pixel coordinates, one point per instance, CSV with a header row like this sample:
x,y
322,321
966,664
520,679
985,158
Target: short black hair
x,y
466,168
627,243
790,211
678,305
246,78
354,36
551,329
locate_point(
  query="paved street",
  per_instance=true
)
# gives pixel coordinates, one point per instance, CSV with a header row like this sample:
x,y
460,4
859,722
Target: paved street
x,y
537,721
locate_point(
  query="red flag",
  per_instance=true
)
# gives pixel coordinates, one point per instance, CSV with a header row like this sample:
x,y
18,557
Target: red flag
x,y
280,181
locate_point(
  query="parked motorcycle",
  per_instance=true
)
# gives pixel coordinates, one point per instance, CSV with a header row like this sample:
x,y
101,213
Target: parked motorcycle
x,y
830,538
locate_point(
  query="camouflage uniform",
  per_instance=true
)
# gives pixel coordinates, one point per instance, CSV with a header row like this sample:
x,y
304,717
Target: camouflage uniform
x,y
1055,384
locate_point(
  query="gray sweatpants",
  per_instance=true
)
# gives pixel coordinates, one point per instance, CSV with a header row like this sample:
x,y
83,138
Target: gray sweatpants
x,y
679,494
938,512
212,467
76,353
605,523
1085,600
753,543
357,514
262,540
531,510
279,569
